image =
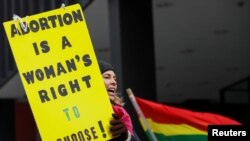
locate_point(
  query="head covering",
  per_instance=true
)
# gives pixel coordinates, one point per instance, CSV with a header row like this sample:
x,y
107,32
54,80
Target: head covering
x,y
105,66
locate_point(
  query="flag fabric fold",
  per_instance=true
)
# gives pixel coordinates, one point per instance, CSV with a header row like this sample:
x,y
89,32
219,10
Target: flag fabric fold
x,y
170,123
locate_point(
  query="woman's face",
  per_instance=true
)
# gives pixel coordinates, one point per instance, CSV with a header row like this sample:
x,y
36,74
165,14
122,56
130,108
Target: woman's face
x,y
109,78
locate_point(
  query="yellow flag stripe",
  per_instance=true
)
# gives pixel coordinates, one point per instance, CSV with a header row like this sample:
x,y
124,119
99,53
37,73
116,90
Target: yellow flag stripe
x,y
173,129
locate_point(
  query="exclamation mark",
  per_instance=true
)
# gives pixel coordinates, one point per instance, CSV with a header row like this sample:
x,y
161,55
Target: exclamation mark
x,y
102,129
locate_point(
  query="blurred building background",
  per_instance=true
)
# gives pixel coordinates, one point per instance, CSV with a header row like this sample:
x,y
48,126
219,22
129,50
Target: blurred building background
x,y
187,53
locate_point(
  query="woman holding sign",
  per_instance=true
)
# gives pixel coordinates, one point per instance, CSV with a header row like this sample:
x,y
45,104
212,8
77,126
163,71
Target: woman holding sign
x,y
121,125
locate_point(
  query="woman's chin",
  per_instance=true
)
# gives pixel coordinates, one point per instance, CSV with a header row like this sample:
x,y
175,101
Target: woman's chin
x,y
111,97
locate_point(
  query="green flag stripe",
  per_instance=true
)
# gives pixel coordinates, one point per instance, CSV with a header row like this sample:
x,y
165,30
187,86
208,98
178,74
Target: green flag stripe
x,y
161,137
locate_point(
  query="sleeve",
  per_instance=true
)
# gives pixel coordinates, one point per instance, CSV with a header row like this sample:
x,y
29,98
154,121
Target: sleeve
x,y
124,117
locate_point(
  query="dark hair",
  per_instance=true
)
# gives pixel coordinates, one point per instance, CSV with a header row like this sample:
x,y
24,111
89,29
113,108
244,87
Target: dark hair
x,y
105,66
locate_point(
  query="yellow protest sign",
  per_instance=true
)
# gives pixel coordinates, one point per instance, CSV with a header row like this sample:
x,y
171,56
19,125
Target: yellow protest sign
x,y
59,71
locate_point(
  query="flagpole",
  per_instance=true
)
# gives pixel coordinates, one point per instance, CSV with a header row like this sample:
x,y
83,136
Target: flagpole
x,y
140,114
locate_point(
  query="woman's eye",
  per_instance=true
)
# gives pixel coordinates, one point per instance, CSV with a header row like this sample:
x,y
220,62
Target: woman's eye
x,y
106,77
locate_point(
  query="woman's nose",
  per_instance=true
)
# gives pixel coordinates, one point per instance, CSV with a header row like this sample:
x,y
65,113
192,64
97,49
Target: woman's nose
x,y
113,81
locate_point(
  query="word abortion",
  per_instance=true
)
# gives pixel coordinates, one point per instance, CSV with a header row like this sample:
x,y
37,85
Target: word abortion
x,y
45,23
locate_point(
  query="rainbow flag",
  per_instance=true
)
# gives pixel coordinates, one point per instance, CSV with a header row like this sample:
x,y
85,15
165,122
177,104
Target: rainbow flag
x,y
176,124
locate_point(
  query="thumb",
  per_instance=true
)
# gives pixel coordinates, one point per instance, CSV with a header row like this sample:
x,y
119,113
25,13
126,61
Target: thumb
x,y
115,116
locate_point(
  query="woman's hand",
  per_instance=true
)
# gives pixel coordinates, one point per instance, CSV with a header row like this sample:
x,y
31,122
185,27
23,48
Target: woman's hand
x,y
118,128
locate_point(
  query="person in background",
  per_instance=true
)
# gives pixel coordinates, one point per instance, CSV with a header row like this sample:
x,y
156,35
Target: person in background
x,y
121,125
